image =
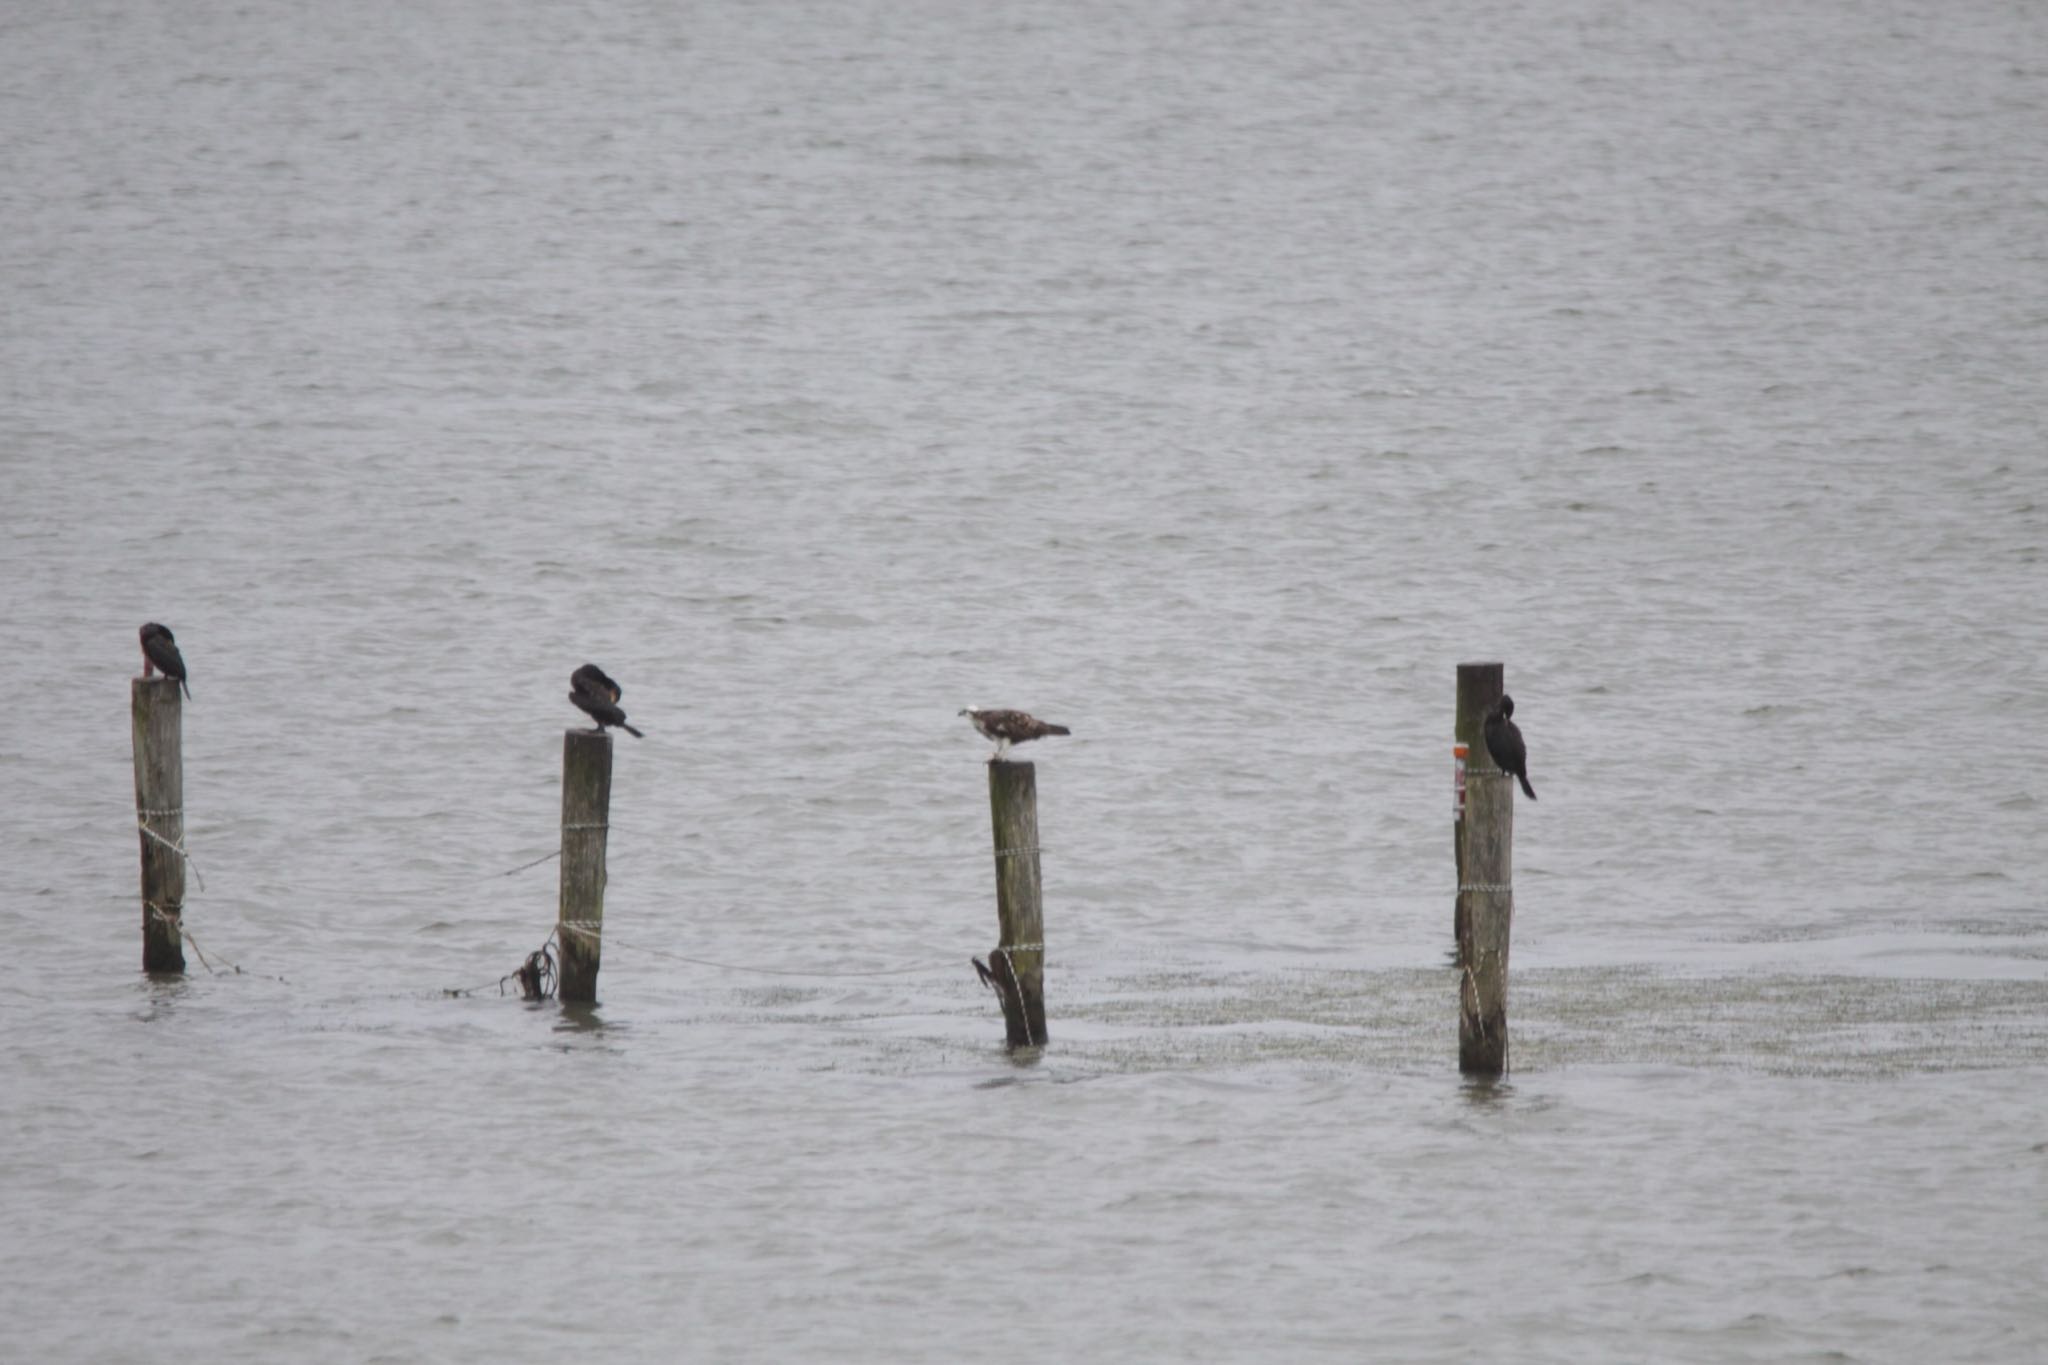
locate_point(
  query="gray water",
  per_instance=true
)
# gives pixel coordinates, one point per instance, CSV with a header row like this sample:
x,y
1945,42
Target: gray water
x,y
1211,378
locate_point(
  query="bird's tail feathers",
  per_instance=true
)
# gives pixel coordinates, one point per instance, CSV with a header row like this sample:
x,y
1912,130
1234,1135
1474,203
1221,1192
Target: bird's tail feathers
x,y
188,688
1057,730
635,733
1527,790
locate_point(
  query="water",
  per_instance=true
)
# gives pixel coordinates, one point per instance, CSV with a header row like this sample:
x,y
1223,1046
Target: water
x,y
1209,378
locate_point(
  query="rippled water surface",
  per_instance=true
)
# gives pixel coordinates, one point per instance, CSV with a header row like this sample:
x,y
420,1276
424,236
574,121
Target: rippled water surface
x,y
1211,378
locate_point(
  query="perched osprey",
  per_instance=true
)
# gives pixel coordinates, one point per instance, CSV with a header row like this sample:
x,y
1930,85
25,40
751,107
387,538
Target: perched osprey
x,y
1009,727
160,653
597,696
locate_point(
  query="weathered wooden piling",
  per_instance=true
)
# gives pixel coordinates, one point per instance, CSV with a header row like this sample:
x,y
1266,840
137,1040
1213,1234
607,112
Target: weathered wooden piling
x,y
1486,903
586,815
1018,963
157,714
1479,687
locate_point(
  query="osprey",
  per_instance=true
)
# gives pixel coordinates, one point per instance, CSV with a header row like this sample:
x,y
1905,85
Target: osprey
x,y
160,654
597,696
1009,727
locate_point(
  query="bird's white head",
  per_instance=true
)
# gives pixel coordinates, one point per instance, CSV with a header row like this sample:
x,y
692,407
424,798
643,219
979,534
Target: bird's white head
x,y
970,710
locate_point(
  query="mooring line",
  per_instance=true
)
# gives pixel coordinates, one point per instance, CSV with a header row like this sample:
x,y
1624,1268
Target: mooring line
x,y
778,971
536,976
555,853
142,823
177,924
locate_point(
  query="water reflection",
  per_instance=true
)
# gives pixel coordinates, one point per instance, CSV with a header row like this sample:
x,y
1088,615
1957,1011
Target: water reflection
x,y
165,990
1486,1092
580,1019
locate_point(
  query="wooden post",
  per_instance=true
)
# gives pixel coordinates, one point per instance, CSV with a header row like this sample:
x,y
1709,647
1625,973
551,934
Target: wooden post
x,y
586,813
157,714
1479,687
1485,883
1018,963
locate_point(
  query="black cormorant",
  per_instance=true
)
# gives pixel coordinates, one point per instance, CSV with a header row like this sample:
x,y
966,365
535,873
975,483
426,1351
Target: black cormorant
x,y
160,651
597,696
1504,742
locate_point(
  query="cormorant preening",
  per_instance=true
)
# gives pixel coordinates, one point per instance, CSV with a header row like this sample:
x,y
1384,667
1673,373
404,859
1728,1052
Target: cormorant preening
x,y
597,696
160,652
596,682
1504,742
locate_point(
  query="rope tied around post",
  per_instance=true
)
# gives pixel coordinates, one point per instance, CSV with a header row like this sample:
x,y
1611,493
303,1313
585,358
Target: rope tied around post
x,y
174,920
536,976
1489,888
142,819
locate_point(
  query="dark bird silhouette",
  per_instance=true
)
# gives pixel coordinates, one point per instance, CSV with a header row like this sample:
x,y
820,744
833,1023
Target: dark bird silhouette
x,y
1504,742
594,681
160,654
988,978
1009,727
597,696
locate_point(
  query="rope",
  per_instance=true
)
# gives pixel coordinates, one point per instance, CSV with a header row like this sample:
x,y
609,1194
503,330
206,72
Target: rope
x,y
523,866
142,823
593,824
176,920
779,971
536,976
1490,888
593,929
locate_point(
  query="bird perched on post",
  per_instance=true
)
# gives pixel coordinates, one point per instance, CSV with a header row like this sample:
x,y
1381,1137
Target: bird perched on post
x,y
1009,727
597,696
160,654
1504,742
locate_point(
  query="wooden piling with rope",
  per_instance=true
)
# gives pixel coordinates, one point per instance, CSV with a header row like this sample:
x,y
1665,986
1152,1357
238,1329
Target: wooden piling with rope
x,y
586,816
1486,906
1018,963
156,713
1479,686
